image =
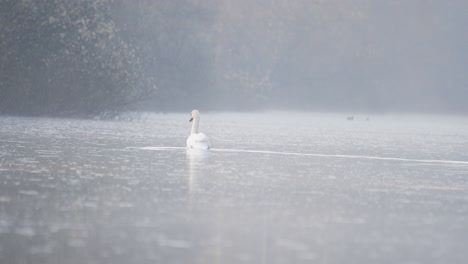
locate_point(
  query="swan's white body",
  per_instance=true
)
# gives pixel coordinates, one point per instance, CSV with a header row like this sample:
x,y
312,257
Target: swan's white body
x,y
197,140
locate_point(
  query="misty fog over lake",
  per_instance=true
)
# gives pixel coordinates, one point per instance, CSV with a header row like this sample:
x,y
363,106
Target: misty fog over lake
x,y
325,131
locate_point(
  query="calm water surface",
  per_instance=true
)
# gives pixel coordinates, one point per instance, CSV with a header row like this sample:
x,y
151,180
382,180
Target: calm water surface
x,y
276,188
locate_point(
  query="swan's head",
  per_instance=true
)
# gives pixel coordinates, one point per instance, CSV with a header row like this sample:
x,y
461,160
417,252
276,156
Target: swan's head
x,y
194,115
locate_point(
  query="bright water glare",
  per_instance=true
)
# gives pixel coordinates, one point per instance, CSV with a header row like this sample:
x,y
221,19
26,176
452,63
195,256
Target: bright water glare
x,y
275,188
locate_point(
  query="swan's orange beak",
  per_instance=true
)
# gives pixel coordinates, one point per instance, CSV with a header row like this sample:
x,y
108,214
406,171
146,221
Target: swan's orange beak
x,y
191,118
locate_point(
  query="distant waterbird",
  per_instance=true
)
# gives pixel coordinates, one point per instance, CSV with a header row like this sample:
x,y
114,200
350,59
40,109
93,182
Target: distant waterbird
x,y
197,140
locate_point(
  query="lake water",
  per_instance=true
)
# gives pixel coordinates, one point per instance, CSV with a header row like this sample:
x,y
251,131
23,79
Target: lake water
x,y
275,188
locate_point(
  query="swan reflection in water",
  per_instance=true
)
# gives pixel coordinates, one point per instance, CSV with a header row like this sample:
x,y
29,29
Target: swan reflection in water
x,y
196,161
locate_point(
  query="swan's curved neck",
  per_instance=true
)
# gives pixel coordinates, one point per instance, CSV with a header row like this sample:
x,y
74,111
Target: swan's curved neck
x,y
195,122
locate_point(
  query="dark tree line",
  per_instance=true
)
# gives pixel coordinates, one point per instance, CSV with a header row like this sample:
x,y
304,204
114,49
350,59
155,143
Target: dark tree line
x,y
87,57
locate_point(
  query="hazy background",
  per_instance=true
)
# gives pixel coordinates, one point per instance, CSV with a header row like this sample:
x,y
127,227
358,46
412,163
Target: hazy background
x,y
88,57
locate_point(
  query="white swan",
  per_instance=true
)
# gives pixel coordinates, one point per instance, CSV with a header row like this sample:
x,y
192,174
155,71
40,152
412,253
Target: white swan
x,y
197,140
